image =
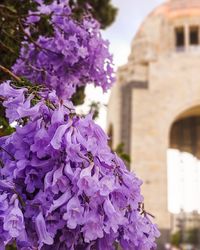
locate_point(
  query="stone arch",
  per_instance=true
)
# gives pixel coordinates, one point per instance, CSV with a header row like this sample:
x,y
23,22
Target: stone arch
x,y
150,152
181,111
183,157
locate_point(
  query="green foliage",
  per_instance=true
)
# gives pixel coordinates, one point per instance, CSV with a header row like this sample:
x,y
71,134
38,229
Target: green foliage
x,y
94,108
193,236
102,10
79,97
176,239
5,128
11,247
12,30
12,34
120,151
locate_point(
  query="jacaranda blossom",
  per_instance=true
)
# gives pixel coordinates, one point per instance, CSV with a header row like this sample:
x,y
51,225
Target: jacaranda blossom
x,y
61,186
74,55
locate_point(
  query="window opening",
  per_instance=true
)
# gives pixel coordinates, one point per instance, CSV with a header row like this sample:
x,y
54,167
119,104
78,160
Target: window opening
x,y
194,35
179,37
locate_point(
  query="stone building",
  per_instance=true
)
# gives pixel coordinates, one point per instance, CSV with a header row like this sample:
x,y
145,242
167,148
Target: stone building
x,y
155,104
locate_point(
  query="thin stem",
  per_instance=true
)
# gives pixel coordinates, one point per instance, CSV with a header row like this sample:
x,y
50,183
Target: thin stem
x,y
7,48
7,71
27,35
9,36
1,164
35,68
12,157
143,211
4,7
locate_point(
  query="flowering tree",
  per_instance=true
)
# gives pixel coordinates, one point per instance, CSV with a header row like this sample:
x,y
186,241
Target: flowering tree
x,y
61,186
12,32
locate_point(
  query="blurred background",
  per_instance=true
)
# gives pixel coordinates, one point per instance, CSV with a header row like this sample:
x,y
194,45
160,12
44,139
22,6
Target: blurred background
x,y
152,114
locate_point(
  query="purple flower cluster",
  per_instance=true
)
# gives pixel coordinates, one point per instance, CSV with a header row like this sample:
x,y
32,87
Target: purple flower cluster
x,y
74,55
61,187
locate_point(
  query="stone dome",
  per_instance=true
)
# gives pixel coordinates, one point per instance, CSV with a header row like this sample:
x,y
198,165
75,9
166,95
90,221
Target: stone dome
x,y
178,7
156,35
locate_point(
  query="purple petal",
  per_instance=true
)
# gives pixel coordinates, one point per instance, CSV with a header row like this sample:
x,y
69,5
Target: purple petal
x,y
41,229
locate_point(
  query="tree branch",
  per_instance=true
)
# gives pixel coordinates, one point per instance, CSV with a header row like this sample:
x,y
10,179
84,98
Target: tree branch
x,y
32,40
4,7
3,45
8,72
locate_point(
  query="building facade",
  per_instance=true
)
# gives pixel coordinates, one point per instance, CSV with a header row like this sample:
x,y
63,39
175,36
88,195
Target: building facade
x,y
155,104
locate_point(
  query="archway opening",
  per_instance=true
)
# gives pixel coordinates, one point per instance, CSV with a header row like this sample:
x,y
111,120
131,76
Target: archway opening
x,y
184,174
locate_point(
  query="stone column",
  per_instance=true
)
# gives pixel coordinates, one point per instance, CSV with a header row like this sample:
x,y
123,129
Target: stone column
x,y
187,37
149,144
